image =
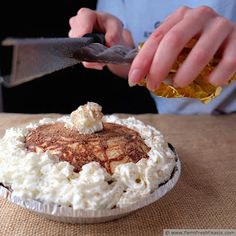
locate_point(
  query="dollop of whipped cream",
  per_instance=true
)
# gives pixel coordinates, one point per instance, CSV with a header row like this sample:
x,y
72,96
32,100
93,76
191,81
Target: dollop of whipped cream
x,y
41,176
87,119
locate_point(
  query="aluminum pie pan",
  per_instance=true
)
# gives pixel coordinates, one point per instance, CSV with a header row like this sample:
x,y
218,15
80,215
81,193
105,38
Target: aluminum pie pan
x,y
68,215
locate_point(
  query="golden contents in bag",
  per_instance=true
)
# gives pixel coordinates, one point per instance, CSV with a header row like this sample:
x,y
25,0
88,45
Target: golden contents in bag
x,y
198,89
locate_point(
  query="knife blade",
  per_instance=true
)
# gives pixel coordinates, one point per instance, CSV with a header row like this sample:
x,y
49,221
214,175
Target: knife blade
x,y
23,60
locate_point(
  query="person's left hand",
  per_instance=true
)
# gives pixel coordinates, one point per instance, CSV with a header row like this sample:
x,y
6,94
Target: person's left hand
x,y
161,49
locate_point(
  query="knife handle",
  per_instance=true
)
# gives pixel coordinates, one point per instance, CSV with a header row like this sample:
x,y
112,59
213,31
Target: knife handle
x,y
96,37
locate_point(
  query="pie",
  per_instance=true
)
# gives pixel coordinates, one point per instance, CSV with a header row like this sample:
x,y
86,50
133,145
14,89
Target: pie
x,y
85,160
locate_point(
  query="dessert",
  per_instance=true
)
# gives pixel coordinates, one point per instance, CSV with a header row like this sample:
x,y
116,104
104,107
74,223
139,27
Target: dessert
x,y
86,160
114,145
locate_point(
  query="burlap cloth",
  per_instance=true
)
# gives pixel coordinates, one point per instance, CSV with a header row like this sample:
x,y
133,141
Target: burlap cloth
x,y
205,196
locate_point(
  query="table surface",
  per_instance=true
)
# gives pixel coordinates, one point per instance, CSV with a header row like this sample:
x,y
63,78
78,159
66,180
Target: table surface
x,y
204,197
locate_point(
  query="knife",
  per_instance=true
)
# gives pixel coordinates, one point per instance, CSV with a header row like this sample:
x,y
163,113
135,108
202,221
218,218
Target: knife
x,y
23,60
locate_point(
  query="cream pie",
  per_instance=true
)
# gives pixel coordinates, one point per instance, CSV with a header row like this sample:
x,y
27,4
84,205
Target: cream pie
x,y
85,160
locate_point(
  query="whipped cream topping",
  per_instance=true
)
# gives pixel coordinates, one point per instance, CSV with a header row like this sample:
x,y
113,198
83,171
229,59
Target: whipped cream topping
x,y
87,119
43,177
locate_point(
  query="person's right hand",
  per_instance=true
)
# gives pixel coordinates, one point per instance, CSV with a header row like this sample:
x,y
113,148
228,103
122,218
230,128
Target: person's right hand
x,y
87,21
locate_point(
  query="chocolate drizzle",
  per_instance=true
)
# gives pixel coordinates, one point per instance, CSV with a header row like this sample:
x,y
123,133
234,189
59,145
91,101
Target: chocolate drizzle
x,y
114,145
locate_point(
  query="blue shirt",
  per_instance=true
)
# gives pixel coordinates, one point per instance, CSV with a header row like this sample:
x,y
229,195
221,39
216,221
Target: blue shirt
x,y
143,16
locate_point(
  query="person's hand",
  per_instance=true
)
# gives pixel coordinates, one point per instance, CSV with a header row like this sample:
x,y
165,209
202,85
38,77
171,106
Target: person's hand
x,y
161,49
86,21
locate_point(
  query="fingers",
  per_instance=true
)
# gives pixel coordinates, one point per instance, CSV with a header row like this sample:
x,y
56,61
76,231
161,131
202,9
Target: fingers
x,y
204,50
111,26
227,66
142,63
72,23
172,44
79,23
87,21
161,50
127,39
93,65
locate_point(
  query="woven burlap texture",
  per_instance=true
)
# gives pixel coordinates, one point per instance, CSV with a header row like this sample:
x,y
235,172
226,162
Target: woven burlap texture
x,y
204,197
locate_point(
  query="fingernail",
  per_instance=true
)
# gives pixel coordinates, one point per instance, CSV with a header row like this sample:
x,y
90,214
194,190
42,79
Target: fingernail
x,y
134,76
179,85
93,66
152,85
176,85
98,67
131,84
72,34
213,81
151,88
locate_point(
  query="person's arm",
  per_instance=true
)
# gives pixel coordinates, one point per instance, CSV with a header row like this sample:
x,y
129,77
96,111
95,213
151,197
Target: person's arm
x,y
88,20
161,49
